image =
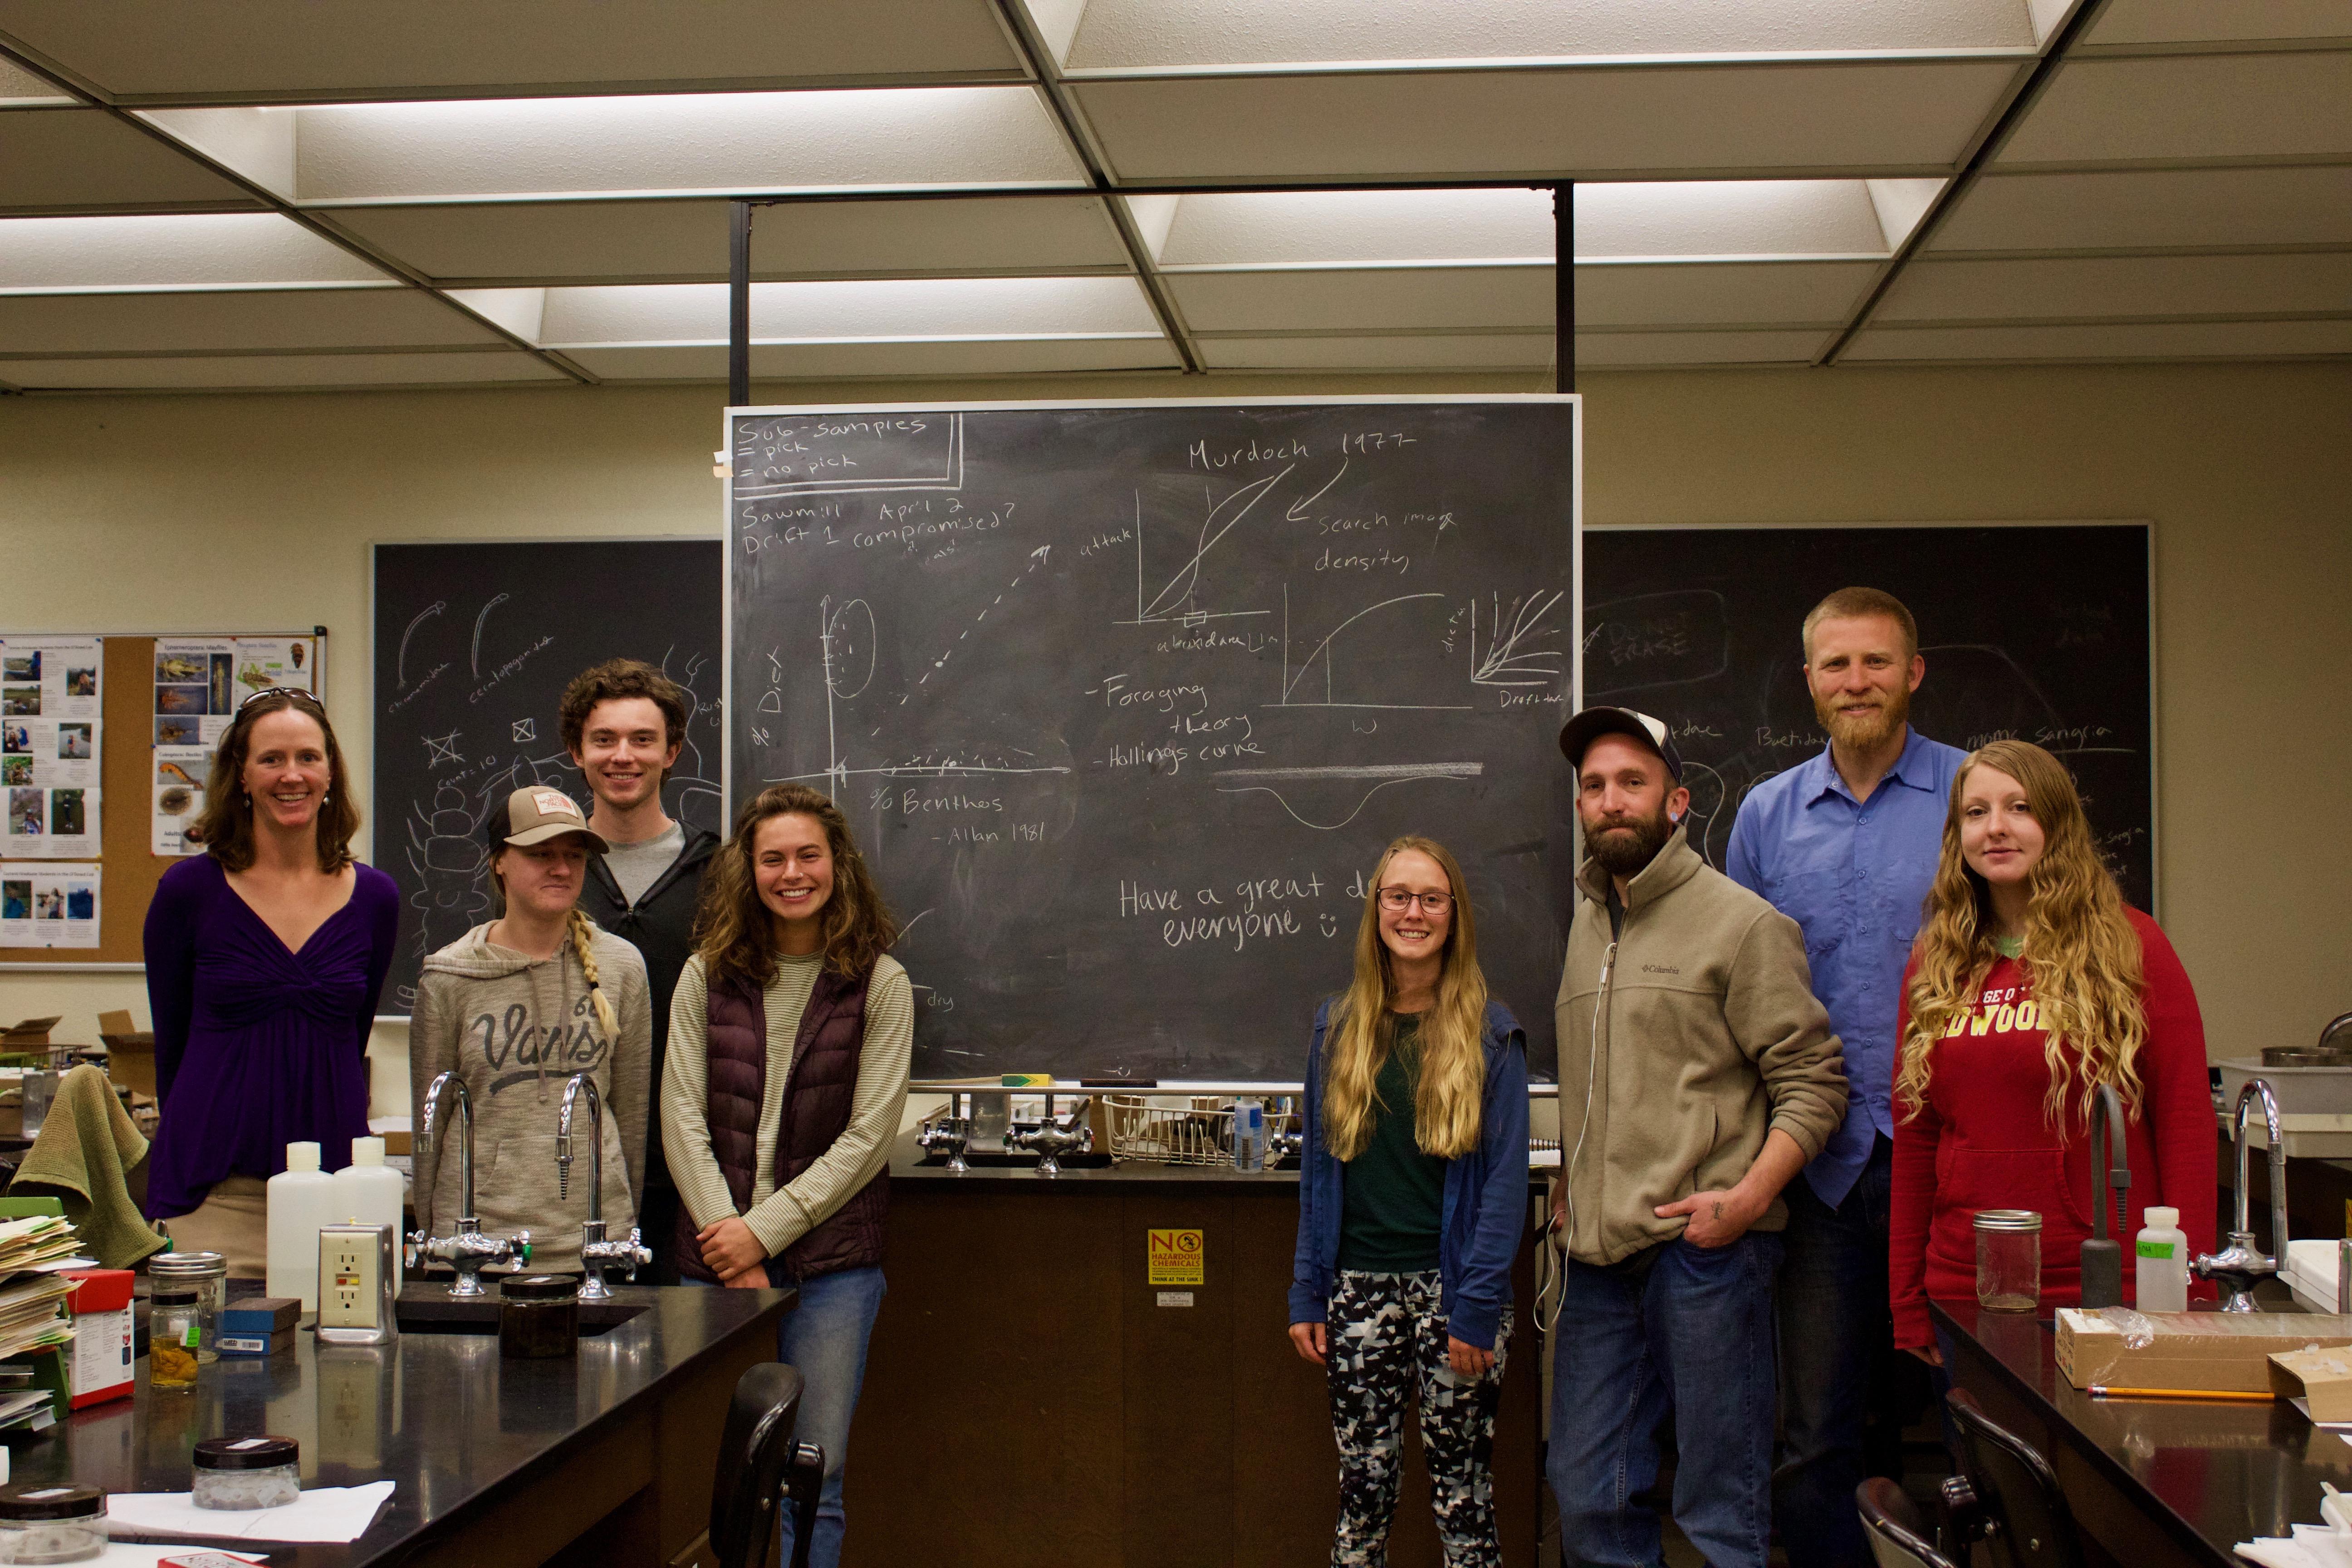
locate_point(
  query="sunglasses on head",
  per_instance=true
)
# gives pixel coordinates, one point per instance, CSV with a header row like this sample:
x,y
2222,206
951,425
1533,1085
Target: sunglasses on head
x,y
294,691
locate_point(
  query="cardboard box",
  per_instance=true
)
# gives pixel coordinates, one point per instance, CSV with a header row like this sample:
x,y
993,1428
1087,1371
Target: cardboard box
x,y
27,1035
2226,1352
130,1052
2322,1379
99,1368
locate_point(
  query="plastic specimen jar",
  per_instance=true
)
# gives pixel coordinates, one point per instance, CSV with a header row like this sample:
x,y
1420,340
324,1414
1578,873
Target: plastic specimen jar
x,y
246,1473
2009,1260
539,1316
174,1334
53,1523
206,1274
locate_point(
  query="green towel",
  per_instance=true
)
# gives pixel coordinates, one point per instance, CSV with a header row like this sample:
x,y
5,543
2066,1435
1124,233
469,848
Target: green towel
x,y
83,1150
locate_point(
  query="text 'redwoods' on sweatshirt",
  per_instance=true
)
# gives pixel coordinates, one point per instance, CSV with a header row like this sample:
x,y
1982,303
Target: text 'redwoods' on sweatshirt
x,y
1683,1043
1482,1211
780,1217
1985,1140
516,1028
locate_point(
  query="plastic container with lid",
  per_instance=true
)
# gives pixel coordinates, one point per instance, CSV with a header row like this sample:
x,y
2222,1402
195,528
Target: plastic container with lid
x,y
52,1523
175,1320
206,1274
2161,1266
2009,1260
302,1198
539,1316
246,1473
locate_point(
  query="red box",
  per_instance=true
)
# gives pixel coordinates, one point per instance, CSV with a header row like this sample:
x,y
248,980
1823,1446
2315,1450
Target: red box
x,y
99,1366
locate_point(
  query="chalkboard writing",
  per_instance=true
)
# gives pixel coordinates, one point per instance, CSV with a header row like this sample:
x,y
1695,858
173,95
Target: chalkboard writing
x,y
2038,632
1124,702
473,645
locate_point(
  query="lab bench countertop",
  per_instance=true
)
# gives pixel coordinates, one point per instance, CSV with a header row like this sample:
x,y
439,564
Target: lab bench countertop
x,y
493,1461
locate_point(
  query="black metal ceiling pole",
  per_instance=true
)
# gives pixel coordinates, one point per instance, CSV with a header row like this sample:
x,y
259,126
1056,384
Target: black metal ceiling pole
x,y
1563,309
739,305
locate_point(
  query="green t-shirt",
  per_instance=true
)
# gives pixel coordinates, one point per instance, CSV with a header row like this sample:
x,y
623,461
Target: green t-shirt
x,y
1393,1194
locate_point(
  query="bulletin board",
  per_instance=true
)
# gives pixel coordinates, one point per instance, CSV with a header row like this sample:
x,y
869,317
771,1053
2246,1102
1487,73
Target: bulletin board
x,y
129,866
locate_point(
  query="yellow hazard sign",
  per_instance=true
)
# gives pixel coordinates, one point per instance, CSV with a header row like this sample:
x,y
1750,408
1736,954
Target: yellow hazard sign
x,y
1175,1257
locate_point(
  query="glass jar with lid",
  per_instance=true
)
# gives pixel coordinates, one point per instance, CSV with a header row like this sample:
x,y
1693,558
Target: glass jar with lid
x,y
539,1316
174,1334
2009,1260
52,1523
206,1273
246,1472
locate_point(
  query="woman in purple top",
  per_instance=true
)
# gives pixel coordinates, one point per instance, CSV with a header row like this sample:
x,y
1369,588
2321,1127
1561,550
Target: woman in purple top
x,y
264,957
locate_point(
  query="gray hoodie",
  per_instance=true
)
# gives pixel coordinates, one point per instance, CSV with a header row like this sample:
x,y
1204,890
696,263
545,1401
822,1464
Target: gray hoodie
x,y
515,1029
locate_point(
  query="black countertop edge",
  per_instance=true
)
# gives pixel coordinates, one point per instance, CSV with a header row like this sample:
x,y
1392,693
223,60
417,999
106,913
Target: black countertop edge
x,y
773,1304
909,1163
2039,1400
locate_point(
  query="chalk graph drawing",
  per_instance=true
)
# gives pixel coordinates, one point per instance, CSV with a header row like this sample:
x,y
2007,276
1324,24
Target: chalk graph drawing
x,y
1313,681
1361,779
1519,650
1177,598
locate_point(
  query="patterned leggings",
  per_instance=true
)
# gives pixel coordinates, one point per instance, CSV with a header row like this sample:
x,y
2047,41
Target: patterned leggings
x,y
1386,1343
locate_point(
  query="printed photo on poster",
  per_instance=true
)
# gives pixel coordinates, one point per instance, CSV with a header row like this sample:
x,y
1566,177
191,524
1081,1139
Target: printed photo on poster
x,y
48,905
48,678
195,690
179,789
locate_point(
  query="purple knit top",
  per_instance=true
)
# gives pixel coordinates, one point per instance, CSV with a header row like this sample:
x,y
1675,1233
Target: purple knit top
x,y
257,1047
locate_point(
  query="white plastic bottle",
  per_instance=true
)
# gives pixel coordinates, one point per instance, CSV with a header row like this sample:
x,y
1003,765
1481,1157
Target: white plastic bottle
x,y
2161,1260
301,1199
371,1191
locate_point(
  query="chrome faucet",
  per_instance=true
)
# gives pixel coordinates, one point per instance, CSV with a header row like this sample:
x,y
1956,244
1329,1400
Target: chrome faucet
x,y
1052,1139
2238,1267
469,1250
597,1253
949,1133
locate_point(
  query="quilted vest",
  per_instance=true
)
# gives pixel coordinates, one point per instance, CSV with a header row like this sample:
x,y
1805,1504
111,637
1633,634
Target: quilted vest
x,y
819,1087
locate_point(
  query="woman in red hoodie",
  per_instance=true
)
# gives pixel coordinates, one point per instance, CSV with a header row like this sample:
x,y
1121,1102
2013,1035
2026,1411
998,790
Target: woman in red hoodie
x,y
2032,984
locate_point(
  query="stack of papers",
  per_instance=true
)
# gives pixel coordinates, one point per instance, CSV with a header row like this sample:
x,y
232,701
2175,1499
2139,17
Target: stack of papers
x,y
29,1319
322,1513
34,1240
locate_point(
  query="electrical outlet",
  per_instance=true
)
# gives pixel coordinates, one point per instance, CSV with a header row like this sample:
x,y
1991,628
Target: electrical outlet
x,y
351,1279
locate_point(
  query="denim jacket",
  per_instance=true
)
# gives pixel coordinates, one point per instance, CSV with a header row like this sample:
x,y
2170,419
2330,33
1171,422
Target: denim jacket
x,y
1485,1194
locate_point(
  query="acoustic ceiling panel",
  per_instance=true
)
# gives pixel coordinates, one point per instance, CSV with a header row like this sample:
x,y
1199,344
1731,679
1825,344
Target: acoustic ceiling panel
x,y
85,160
255,372
2144,340
2118,287
263,51
2152,209
1400,351
2127,22
2190,107
66,324
804,361
904,310
683,241
1877,117
133,252
1783,293
1633,351
1380,300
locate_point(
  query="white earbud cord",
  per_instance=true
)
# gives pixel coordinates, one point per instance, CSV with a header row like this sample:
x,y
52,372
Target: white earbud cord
x,y
1551,1267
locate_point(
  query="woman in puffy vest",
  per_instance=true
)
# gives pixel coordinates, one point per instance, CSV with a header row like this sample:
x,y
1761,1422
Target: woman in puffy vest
x,y
790,1037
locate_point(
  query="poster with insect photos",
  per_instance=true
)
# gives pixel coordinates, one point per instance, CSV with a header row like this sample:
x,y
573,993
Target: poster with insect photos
x,y
199,684
50,746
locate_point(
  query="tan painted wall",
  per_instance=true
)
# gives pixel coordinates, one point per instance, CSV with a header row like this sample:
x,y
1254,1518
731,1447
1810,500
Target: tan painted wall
x,y
154,515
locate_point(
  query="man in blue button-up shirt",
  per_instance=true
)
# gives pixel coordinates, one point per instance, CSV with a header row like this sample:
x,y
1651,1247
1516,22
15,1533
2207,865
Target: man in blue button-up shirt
x,y
1845,844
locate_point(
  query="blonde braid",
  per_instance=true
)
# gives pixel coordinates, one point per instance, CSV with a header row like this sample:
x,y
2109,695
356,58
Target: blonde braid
x,y
583,930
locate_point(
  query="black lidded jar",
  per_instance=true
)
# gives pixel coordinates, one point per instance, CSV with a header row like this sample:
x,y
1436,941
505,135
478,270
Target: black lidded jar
x,y
539,1316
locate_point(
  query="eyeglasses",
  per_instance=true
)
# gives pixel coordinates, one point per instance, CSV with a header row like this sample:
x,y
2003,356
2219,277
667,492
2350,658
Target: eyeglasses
x,y
280,691
1431,903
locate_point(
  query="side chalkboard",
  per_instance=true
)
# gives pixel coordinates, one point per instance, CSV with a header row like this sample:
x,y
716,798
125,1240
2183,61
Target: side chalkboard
x,y
2039,632
473,645
1124,701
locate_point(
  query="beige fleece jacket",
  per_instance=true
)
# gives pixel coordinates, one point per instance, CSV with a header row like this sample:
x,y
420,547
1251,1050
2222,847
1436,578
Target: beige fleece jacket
x,y
1682,1044
516,1028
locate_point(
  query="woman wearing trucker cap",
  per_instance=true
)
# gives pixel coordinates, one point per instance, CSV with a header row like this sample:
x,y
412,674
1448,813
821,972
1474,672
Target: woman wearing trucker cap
x,y
515,1008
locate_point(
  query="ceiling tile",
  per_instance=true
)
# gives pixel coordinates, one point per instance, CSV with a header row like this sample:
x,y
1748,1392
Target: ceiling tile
x,y
1875,118
238,322
116,253
232,372
2150,340
1729,294
718,144
19,86
882,309
1385,298
2151,209
1600,350
679,241
2110,287
835,361
2217,21
1404,351
85,160
286,50
2174,108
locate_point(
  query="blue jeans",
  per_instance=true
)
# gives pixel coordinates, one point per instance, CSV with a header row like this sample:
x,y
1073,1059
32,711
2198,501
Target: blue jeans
x,y
1695,1337
825,1335
1839,1328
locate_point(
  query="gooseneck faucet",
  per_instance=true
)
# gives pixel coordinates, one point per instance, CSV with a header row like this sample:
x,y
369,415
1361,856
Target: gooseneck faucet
x,y
468,1249
597,1253
2239,1265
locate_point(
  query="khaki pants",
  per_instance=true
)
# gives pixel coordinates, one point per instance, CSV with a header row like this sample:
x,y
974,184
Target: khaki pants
x,y
233,1221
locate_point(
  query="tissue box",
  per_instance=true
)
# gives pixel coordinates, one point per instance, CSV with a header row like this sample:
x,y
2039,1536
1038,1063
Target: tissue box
x,y
2322,1379
130,1052
2224,1352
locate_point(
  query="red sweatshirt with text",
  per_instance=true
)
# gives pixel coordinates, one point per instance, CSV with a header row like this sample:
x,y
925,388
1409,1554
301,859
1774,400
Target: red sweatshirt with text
x,y
1983,1141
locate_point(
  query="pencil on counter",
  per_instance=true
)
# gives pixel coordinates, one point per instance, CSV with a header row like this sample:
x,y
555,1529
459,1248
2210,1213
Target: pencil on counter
x,y
2104,1391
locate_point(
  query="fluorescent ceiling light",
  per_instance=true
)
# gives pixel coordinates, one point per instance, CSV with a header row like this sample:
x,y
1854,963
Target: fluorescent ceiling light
x,y
1133,37
151,254
1691,220
902,139
920,310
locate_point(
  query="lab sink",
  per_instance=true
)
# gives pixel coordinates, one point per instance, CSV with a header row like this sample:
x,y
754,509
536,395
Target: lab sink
x,y
428,1308
1093,1160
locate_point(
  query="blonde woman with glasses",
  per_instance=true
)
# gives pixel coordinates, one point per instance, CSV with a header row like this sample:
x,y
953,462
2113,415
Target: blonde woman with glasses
x,y
1412,1194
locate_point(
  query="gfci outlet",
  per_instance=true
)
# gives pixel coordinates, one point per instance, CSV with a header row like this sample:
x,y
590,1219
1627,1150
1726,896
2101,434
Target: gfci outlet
x,y
356,1284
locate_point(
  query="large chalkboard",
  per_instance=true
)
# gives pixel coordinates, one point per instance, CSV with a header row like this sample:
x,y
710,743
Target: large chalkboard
x,y
2039,631
473,645
1124,701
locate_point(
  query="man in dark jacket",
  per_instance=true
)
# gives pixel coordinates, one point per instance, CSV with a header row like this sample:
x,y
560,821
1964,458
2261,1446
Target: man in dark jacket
x,y
624,723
